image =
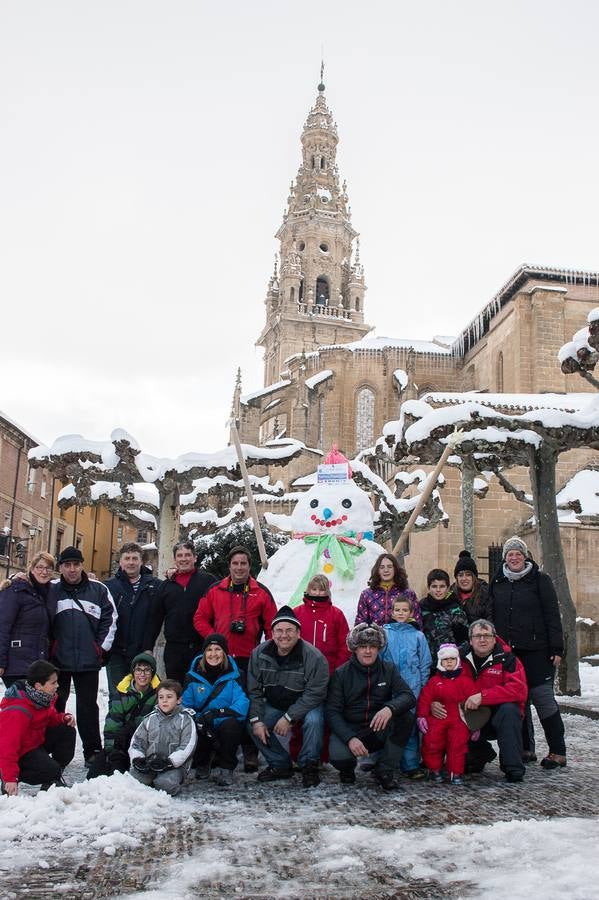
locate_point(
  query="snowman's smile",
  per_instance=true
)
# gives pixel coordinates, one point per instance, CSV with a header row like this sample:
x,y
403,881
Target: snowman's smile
x,y
330,523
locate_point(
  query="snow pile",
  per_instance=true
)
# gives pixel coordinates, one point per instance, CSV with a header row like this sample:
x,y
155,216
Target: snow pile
x,y
263,392
583,487
103,814
401,378
315,380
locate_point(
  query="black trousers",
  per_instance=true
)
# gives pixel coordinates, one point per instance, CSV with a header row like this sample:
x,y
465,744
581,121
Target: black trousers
x,y
178,657
86,711
45,764
223,744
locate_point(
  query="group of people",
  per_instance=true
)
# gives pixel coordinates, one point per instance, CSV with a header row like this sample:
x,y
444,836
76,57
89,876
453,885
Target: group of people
x,y
419,687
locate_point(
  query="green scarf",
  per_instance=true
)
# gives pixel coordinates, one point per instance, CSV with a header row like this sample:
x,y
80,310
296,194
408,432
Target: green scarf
x,y
341,556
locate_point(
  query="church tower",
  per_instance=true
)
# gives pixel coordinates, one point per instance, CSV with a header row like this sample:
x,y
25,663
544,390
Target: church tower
x,y
317,295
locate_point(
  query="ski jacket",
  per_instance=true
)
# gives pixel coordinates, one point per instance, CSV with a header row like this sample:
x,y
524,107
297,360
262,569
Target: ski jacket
x,y
173,736
526,612
407,648
126,712
25,620
23,728
500,679
254,606
443,622
84,625
175,606
376,605
357,692
478,604
225,695
448,691
295,684
325,627
133,608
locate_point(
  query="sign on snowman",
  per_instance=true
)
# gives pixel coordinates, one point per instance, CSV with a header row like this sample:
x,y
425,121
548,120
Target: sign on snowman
x,y
332,533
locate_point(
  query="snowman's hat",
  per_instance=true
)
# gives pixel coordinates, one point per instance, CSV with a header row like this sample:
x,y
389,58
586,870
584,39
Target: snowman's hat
x,y
335,457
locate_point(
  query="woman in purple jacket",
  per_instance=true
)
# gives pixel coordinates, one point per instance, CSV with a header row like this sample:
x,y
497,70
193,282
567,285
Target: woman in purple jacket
x,y
26,613
387,582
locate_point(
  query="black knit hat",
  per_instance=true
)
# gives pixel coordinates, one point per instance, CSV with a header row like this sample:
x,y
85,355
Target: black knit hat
x,y
286,614
70,554
219,639
146,659
465,563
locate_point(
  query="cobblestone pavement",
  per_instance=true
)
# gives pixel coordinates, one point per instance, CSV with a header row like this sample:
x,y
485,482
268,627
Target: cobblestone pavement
x,y
237,836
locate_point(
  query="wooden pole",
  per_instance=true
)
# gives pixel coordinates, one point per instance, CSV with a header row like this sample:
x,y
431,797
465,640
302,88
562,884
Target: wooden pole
x,y
426,492
250,496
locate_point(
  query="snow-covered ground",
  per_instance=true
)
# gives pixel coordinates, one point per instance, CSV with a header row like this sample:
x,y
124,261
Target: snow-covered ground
x,y
116,838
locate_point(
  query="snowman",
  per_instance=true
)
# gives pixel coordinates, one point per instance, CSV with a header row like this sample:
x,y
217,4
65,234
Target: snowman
x,y
332,531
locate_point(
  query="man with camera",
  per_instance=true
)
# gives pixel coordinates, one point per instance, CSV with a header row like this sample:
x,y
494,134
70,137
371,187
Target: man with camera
x,y
241,609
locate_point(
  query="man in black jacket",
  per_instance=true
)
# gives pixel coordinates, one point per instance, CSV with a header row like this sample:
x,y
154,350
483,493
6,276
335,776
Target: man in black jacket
x,y
174,604
133,589
83,629
368,709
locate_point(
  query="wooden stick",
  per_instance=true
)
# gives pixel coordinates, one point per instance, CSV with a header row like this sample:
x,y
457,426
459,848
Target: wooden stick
x,y
250,496
425,494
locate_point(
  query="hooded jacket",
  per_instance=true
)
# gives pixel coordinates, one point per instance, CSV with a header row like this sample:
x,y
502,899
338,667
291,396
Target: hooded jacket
x,y
526,612
229,697
376,605
175,606
325,627
23,727
172,736
443,622
221,606
25,620
84,624
133,608
126,712
448,691
407,648
500,678
357,692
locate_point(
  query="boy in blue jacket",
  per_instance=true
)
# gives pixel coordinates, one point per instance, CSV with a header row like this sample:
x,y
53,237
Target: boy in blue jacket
x,y
408,649
220,705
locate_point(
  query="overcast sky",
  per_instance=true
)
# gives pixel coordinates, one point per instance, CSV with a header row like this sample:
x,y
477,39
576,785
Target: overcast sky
x,y
146,149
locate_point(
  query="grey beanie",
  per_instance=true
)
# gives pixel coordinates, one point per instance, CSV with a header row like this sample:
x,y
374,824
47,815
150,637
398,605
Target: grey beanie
x,y
516,543
365,635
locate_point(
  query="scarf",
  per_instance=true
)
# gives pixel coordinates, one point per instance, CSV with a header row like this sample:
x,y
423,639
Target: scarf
x,y
341,550
516,576
38,698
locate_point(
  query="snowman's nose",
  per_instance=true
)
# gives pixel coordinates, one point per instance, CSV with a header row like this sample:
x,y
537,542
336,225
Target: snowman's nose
x,y
327,513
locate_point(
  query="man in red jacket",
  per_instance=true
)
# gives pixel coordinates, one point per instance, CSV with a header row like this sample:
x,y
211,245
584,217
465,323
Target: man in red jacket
x,y
242,609
499,682
36,742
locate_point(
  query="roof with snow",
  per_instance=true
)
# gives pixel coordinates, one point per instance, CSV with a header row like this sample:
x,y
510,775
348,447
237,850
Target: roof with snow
x,y
564,402
263,392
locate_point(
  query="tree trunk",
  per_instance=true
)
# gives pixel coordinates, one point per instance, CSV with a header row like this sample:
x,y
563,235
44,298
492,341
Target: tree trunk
x,y
468,506
542,473
168,529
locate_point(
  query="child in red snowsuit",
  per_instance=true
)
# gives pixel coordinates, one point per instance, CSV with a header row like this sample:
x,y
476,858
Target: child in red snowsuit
x,y
445,737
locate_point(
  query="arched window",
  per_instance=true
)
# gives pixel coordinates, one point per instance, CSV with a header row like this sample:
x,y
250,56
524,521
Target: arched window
x,y
292,294
322,291
301,291
500,372
364,418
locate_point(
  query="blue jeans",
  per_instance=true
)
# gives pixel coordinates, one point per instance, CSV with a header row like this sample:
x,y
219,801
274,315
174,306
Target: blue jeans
x,y
411,755
276,751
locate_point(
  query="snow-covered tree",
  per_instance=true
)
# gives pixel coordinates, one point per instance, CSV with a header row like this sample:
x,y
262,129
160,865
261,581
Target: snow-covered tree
x,y
581,354
213,549
133,484
495,442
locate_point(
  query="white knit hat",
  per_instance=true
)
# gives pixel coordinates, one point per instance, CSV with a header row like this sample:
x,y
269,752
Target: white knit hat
x,y
448,651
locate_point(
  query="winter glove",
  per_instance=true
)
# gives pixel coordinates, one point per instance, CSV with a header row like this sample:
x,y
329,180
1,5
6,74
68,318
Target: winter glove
x,y
422,723
141,764
474,736
158,763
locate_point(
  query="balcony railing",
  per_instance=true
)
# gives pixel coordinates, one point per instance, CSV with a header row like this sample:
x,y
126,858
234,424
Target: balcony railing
x,y
329,312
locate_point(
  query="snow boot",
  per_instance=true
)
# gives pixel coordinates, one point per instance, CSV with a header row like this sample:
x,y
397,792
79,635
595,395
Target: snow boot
x,y
435,777
347,776
386,781
554,761
310,775
270,773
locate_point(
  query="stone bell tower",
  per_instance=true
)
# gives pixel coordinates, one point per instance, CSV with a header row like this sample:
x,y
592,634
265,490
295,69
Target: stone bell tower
x,y
316,297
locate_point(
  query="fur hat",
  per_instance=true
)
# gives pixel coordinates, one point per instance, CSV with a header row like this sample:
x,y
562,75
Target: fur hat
x,y
286,614
145,659
219,639
365,635
516,543
70,554
448,651
465,563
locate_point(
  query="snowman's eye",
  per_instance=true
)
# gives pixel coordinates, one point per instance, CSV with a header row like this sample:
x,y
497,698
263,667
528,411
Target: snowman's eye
x,y
314,503
346,503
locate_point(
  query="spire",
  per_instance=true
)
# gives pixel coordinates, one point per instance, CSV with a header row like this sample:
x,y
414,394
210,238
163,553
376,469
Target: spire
x,y
321,85
236,396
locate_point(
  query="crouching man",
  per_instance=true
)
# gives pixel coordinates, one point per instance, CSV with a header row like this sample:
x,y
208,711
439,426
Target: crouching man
x,y
287,683
162,748
36,741
368,709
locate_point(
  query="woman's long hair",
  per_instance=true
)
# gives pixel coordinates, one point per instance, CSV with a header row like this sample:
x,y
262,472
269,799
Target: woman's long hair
x,y
400,576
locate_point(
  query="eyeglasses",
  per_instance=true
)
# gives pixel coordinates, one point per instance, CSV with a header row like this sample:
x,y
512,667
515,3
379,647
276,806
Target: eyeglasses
x,y
45,569
483,637
143,670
